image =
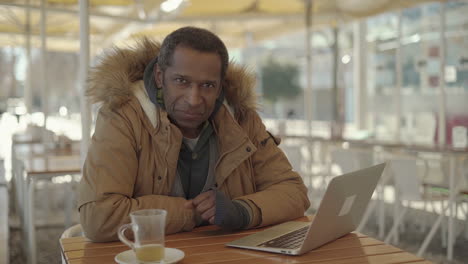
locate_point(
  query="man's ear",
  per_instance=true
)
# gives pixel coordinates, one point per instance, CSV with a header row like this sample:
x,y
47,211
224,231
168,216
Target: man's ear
x,y
158,76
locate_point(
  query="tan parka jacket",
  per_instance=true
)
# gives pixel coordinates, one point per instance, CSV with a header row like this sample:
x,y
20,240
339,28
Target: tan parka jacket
x,y
132,160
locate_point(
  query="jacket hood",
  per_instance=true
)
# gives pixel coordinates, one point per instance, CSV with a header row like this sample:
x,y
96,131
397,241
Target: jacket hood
x,y
112,81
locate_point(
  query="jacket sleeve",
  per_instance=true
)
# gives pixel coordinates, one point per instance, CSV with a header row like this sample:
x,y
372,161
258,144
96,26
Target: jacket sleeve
x,y
109,174
280,192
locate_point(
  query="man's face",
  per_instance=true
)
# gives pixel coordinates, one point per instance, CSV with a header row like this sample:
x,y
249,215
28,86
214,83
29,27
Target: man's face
x,y
190,86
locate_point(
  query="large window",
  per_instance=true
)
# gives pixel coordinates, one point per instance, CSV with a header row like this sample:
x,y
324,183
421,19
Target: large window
x,y
421,58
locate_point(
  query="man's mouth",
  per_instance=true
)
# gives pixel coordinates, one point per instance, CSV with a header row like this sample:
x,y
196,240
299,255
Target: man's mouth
x,y
191,114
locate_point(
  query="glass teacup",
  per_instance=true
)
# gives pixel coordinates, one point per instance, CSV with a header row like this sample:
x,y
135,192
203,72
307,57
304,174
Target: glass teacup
x,y
148,229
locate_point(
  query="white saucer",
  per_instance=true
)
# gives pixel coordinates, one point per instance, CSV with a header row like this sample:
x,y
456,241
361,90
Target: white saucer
x,y
171,255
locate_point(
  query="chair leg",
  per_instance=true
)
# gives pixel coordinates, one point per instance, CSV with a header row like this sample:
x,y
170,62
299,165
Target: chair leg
x,y
46,201
431,233
69,205
466,229
63,259
366,216
403,226
423,225
432,207
455,226
466,221
443,231
396,235
381,214
394,230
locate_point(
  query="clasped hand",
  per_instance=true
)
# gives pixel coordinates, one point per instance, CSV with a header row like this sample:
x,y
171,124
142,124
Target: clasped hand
x,y
205,205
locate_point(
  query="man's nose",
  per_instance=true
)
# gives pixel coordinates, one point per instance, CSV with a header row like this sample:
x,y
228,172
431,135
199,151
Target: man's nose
x,y
194,96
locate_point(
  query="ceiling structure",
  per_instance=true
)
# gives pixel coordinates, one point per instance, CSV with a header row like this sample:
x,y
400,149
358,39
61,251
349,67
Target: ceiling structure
x,y
115,22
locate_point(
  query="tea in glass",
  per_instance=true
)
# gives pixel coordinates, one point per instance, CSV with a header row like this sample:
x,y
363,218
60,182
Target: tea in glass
x,y
150,253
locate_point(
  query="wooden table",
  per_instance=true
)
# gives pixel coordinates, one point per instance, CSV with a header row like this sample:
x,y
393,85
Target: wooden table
x,y
206,245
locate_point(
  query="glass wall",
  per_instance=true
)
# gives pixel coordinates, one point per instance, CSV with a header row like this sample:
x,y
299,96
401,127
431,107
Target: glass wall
x,y
421,58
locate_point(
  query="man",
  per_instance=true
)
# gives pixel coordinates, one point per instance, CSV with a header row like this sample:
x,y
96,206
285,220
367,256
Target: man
x,y
178,130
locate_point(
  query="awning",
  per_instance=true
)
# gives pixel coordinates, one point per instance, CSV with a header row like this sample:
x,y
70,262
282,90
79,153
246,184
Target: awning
x,y
117,21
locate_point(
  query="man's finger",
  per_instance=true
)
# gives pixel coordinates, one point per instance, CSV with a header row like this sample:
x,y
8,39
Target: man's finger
x,y
207,215
205,205
203,196
189,204
212,220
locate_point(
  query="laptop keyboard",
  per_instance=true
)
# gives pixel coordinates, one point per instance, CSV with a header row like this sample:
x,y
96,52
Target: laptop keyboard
x,y
290,240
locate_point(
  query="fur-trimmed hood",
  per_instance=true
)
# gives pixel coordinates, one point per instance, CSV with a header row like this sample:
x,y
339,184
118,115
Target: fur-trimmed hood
x,y
112,82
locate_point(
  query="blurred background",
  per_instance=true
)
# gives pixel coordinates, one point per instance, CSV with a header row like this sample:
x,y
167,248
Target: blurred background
x,y
387,79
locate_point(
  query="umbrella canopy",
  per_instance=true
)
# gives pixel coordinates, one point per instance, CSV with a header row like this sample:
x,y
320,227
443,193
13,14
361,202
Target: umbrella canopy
x,y
117,21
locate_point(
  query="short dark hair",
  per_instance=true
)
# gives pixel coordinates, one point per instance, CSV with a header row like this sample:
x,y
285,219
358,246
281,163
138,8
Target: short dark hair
x,y
196,38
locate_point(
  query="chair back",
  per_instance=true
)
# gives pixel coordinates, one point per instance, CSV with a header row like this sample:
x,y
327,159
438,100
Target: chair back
x,y
4,225
293,152
72,231
407,184
2,172
351,160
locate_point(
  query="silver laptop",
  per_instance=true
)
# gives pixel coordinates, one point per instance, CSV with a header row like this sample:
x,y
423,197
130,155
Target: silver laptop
x,y
339,213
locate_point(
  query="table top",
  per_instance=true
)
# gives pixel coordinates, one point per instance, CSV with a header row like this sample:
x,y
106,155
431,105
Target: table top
x,y
49,158
206,245
25,150
52,163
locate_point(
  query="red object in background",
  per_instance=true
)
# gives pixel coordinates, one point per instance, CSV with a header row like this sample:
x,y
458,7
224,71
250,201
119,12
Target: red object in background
x,y
433,51
434,81
451,122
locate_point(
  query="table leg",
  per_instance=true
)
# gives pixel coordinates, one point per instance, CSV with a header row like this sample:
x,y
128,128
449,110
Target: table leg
x,y
30,228
19,174
69,204
399,213
452,192
21,196
15,170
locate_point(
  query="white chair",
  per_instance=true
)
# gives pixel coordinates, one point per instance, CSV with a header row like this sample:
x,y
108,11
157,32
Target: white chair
x,y
2,172
73,231
338,162
344,159
349,160
298,156
4,228
408,188
441,168
293,152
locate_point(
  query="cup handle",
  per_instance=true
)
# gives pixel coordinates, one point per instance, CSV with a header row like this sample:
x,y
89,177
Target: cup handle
x,y
122,236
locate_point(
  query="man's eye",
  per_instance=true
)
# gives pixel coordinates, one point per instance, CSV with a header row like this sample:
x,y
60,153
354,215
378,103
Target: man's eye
x,y
208,85
180,80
